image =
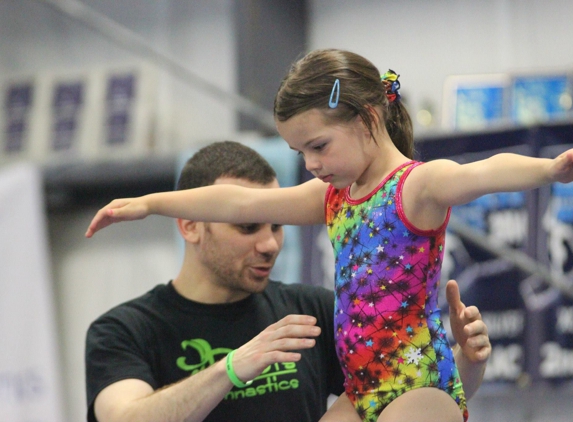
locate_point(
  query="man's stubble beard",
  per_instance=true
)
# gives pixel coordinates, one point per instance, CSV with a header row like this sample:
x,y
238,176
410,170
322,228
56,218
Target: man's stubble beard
x,y
228,276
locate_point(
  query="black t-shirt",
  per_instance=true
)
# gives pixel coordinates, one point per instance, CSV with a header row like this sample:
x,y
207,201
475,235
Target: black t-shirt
x,y
161,338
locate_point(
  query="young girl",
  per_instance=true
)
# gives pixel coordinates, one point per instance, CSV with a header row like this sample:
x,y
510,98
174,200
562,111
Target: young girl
x,y
386,216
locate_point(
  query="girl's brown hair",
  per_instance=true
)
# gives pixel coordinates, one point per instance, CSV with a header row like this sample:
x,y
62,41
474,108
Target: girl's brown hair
x,y
309,85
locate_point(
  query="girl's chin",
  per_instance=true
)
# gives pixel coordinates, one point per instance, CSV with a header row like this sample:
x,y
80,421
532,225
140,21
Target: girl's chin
x,y
339,184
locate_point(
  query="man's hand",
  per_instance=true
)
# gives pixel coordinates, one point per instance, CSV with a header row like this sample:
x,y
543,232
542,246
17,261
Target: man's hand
x,y
275,344
470,332
468,329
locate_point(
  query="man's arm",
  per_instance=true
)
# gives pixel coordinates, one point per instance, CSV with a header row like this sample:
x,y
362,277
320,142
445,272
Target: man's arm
x,y
193,398
470,333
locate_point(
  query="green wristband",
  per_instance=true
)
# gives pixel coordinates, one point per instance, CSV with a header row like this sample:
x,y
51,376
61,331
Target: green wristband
x,y
231,372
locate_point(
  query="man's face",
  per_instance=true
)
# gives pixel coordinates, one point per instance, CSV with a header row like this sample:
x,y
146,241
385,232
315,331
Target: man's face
x,y
240,257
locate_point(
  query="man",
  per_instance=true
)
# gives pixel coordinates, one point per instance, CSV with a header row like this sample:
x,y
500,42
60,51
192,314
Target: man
x,y
161,357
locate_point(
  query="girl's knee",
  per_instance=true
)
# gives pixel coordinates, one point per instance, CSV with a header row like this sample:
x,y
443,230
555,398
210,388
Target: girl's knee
x,y
422,405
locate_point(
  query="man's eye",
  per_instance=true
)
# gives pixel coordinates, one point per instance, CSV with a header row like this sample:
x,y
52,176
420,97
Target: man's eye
x,y
276,227
249,228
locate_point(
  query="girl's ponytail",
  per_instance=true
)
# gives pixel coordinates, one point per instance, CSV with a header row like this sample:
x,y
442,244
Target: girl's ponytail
x,y
398,122
399,127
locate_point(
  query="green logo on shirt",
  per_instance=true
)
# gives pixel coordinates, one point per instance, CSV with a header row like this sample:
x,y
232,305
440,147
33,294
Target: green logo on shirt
x,y
276,377
206,355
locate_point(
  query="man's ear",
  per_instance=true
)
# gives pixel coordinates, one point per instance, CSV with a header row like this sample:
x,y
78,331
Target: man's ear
x,y
190,230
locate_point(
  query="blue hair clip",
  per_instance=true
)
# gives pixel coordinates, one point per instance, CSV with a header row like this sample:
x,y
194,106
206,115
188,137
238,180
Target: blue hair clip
x,y
335,90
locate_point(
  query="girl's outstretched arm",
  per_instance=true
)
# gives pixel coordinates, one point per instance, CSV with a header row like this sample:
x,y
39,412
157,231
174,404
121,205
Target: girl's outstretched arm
x,y
447,183
298,205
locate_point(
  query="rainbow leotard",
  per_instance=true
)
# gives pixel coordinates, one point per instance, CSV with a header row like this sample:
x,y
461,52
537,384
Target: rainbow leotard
x,y
388,331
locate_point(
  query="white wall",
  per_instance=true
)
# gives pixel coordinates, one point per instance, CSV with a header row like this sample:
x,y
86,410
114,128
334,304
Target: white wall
x,y
427,40
198,35
30,371
91,276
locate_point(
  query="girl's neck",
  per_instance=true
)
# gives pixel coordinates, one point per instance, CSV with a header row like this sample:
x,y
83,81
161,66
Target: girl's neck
x,y
386,158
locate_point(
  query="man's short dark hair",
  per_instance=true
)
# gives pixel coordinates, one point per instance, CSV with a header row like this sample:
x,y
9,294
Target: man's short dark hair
x,y
225,159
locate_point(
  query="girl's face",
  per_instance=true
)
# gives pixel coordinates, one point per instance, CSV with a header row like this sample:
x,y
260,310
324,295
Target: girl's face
x,y
333,152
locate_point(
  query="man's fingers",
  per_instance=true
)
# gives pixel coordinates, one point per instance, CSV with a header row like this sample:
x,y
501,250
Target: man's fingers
x,y
481,348
297,331
453,295
282,357
476,328
483,354
290,333
294,319
282,350
472,313
287,344
277,343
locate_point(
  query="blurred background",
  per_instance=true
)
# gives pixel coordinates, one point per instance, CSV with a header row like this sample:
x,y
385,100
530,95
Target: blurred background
x,y
107,98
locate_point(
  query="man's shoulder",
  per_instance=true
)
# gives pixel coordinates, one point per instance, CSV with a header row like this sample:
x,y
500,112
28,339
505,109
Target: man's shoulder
x,y
299,290
298,298
297,287
135,306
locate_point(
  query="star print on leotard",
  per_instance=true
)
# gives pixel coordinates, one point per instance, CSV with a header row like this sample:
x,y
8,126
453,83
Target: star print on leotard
x,y
388,331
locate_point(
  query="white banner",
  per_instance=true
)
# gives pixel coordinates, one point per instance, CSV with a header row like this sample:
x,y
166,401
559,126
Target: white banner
x,y
30,382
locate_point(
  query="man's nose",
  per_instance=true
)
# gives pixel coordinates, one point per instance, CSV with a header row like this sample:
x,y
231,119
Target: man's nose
x,y
269,241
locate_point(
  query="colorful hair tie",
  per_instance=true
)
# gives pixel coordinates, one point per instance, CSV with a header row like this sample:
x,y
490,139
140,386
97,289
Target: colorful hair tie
x,y
392,84
333,102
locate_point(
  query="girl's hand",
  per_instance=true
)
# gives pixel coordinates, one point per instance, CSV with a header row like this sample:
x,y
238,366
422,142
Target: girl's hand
x,y
125,209
562,167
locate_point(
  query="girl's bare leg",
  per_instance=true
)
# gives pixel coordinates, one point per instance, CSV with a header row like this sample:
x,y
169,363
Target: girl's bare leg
x,y
341,410
422,405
